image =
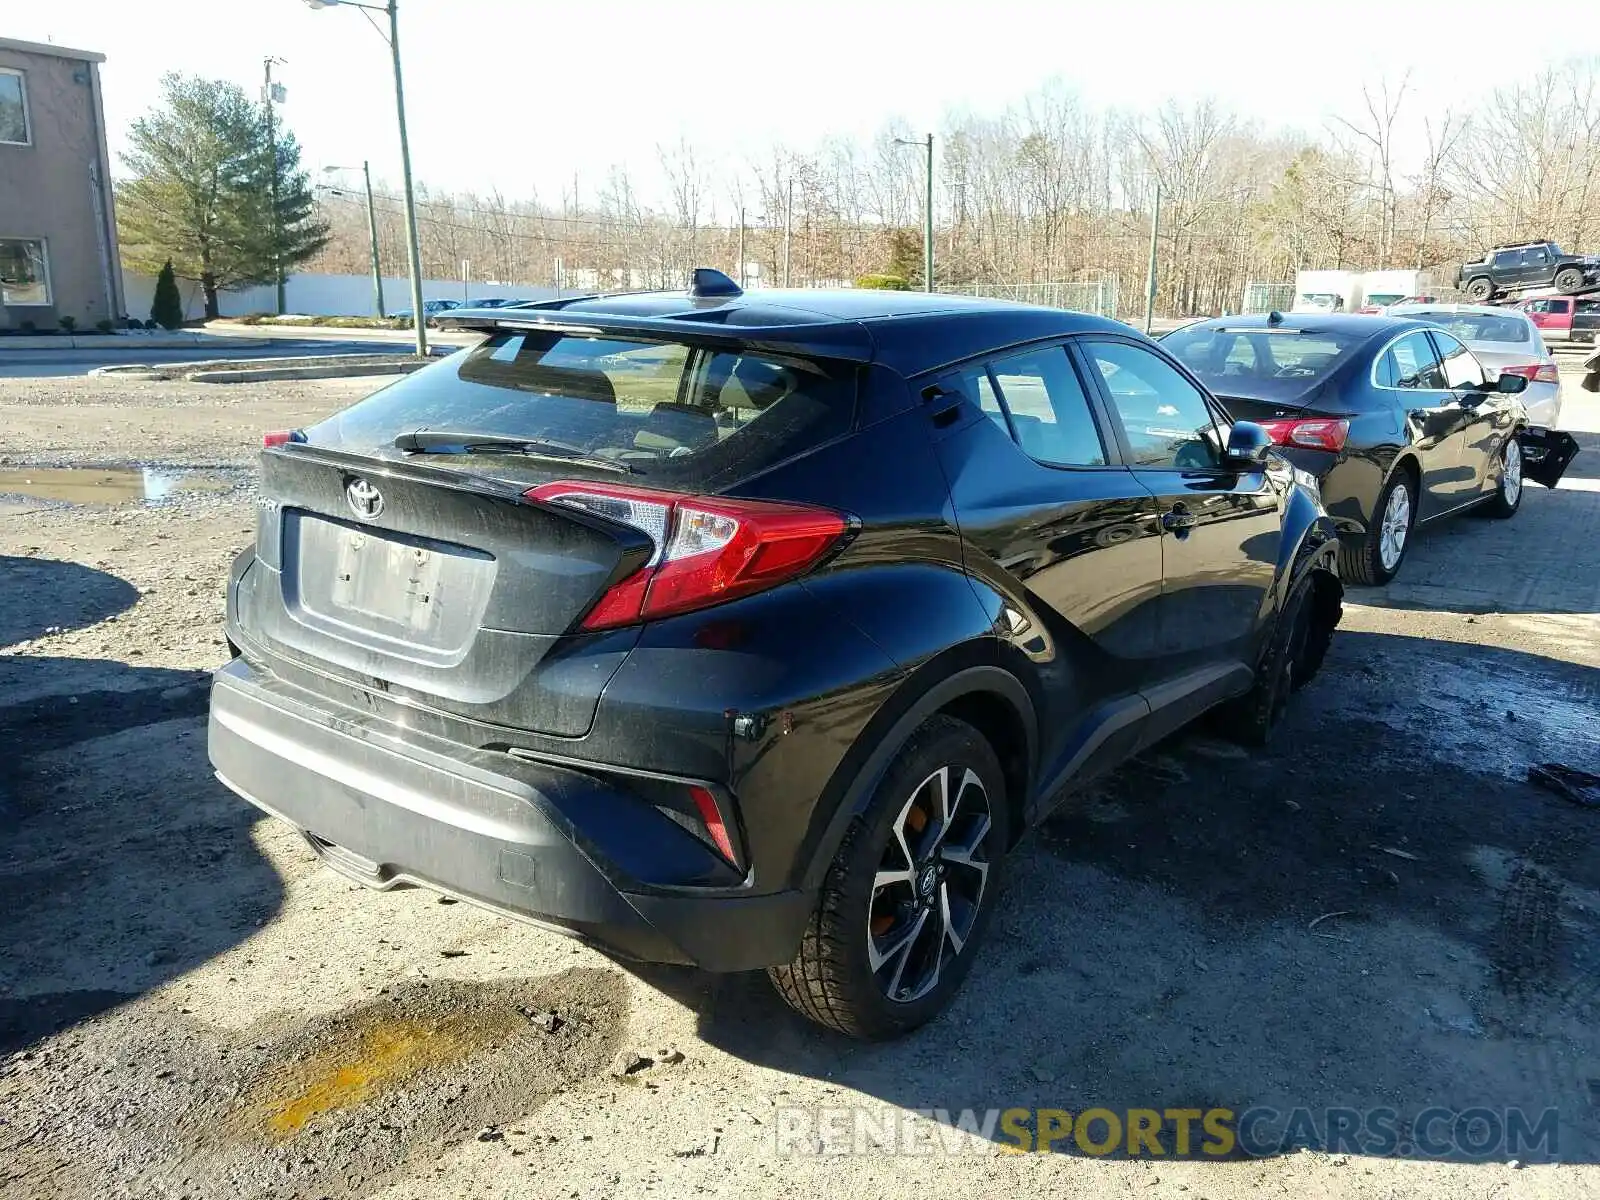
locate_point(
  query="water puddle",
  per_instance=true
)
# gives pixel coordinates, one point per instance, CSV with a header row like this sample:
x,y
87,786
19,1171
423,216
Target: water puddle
x,y
106,485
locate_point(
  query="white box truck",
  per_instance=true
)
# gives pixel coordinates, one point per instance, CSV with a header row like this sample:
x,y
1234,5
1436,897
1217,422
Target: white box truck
x,y
1383,288
1327,291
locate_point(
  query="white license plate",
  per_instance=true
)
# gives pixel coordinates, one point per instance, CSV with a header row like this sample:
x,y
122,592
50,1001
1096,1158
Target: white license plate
x,y
388,580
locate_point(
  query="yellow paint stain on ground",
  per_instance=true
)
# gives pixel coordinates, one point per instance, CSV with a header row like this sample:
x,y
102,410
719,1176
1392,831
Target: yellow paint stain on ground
x,y
369,1062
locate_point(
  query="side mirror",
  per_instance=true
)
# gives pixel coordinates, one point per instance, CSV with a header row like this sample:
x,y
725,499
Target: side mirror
x,y
1248,444
1511,385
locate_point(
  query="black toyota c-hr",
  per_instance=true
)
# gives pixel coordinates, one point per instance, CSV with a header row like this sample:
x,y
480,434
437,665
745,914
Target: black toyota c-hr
x,y
752,630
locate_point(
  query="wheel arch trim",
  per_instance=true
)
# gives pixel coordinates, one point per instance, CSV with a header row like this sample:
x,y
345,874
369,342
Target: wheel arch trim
x,y
824,841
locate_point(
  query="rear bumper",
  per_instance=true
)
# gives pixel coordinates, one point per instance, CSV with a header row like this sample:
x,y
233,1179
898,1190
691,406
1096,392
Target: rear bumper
x,y
523,839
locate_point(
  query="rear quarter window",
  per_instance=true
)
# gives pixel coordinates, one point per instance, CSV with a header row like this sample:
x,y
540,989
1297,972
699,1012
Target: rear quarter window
x,y
676,415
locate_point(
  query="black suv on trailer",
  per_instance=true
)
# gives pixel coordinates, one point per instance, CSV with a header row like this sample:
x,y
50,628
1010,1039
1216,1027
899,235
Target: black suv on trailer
x,y
1525,265
752,630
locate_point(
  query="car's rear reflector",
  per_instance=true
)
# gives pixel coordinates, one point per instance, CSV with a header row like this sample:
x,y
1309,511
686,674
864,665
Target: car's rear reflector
x,y
1310,433
1535,372
707,549
706,804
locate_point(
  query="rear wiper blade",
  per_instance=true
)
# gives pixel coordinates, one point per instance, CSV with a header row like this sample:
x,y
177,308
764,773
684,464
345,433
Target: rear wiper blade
x,y
446,441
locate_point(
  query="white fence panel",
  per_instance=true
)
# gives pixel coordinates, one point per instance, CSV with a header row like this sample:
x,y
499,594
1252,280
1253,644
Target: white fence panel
x,y
321,295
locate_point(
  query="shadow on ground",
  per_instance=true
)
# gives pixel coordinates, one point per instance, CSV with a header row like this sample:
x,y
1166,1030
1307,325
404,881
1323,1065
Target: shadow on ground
x,y
43,593
1377,914
124,863
1536,562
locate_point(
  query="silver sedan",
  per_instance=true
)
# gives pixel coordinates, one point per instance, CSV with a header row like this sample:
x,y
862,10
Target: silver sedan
x,y
1503,340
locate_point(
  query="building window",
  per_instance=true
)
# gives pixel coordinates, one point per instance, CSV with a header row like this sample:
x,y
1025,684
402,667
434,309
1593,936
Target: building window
x,y
13,108
24,273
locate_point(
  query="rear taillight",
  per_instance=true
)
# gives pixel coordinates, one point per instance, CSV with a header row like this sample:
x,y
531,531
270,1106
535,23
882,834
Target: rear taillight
x,y
707,549
1311,433
280,437
1535,372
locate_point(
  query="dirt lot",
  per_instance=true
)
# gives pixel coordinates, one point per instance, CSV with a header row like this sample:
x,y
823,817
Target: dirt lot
x,y
191,1005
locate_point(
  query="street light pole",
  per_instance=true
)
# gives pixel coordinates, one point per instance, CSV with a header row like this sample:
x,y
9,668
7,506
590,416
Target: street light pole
x,y
413,247
372,235
927,210
268,98
419,319
1150,280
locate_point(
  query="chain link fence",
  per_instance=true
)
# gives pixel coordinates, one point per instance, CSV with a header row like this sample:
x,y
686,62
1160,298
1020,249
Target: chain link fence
x,y
1098,296
1268,297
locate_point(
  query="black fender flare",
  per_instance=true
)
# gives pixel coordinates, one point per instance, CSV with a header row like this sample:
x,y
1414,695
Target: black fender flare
x,y
913,703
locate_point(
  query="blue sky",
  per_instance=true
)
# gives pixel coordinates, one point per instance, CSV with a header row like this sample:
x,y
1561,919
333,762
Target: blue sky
x,y
523,94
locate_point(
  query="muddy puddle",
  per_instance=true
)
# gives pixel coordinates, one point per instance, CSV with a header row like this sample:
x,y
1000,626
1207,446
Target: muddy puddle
x,y
108,485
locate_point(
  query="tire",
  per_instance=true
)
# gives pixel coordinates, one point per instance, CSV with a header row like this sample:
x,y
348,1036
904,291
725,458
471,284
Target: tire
x,y
832,979
1479,290
1299,644
1362,558
1511,485
1568,281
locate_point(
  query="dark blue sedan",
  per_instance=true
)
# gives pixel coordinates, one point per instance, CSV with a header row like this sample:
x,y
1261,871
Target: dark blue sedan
x,y
1397,420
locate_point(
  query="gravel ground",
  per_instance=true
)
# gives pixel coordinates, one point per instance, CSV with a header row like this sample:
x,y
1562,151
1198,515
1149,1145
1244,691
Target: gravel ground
x,y
191,1005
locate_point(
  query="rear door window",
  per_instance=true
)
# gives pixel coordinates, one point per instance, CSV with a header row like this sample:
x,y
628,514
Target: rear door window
x,y
1049,408
674,414
1411,364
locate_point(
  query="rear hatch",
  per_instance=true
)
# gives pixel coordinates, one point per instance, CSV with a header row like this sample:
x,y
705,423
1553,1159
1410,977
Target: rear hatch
x,y
422,570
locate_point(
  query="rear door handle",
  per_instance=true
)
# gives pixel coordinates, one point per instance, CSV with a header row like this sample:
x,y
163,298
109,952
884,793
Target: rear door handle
x,y
1179,518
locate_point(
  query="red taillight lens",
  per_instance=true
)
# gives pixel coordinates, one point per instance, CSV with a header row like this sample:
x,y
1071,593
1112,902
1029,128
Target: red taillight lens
x,y
1315,433
280,437
706,805
1535,372
707,549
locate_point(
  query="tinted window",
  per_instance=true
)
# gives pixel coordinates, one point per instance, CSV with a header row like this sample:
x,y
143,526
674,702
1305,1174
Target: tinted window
x,y
1508,258
1410,363
1049,408
1460,368
975,382
674,415
1165,417
1258,361
1478,327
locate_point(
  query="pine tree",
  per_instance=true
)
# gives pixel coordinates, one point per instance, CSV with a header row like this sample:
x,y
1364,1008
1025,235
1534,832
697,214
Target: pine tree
x,y
166,310
201,192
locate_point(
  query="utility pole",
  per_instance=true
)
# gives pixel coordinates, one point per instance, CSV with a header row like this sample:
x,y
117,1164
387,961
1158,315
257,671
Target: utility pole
x,y
269,96
788,230
741,246
1150,280
927,210
372,234
927,224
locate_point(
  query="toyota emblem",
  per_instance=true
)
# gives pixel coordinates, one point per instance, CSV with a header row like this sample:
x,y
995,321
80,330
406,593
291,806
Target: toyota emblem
x,y
365,500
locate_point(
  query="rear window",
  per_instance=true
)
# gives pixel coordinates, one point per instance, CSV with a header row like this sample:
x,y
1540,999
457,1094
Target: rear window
x,y
673,414
1477,327
1259,362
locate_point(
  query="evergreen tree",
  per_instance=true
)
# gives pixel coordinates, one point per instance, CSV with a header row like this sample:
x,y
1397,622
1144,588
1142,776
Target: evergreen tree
x,y
201,195
166,310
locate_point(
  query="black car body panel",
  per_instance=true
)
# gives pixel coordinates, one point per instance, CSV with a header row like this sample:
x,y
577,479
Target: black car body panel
x,y
419,689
